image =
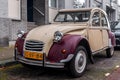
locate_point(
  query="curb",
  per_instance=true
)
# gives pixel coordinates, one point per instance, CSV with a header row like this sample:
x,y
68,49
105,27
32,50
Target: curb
x,y
6,63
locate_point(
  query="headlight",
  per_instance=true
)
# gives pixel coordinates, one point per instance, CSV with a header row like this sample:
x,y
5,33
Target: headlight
x,y
20,33
58,36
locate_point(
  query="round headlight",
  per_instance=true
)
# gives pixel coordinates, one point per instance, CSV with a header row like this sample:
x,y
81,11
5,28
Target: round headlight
x,y
58,36
20,33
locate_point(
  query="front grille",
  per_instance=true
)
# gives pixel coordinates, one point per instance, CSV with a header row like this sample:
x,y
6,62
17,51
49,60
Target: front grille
x,y
34,45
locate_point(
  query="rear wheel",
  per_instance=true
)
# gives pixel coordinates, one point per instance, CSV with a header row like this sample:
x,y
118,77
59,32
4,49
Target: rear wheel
x,y
110,52
79,62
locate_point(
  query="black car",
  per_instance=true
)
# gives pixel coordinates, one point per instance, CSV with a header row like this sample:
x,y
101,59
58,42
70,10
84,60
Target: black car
x,y
115,27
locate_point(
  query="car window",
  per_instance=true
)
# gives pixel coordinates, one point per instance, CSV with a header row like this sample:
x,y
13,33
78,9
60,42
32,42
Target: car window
x,y
103,20
96,19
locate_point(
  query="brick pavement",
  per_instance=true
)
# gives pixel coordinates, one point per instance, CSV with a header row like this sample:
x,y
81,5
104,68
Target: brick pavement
x,y
115,75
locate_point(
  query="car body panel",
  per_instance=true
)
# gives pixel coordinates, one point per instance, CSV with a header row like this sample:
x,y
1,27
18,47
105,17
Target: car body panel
x,y
48,33
55,53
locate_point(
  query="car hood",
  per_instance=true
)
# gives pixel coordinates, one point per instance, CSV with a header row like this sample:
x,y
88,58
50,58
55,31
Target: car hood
x,y
46,33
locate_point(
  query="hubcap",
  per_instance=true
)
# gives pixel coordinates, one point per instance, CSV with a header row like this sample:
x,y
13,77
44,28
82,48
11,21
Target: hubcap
x,y
80,61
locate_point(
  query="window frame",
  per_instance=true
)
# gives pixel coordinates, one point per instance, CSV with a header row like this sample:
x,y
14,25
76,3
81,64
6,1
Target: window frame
x,y
99,19
105,19
55,5
18,15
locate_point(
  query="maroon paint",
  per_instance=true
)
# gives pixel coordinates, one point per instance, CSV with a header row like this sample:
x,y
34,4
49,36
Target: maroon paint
x,y
112,36
20,43
69,43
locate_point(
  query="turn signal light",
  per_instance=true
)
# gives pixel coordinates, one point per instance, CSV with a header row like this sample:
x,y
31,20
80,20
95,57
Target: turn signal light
x,y
63,51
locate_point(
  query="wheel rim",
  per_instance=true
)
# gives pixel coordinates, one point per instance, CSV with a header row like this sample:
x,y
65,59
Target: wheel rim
x,y
80,61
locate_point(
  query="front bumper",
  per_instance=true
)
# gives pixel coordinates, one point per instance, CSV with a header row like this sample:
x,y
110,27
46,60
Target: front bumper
x,y
42,63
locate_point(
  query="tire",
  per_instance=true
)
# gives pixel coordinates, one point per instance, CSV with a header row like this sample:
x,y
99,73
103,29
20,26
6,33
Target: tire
x,y
110,52
78,64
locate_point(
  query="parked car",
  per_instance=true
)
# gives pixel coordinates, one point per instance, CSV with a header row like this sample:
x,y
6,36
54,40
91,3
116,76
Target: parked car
x,y
115,27
74,37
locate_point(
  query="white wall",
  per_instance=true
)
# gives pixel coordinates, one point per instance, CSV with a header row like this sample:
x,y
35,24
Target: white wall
x,y
69,4
3,8
52,14
14,9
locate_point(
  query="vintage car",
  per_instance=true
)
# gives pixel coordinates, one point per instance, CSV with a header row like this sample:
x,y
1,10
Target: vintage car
x,y
74,37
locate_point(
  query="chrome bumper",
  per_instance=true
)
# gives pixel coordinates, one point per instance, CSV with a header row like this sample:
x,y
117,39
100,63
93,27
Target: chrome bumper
x,y
43,63
40,63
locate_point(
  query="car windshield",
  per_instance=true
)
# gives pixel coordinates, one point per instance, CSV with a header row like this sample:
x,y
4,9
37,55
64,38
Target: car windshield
x,y
81,16
117,26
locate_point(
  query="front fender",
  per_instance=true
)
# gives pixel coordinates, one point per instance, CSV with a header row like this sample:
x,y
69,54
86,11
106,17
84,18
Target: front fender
x,y
68,43
20,43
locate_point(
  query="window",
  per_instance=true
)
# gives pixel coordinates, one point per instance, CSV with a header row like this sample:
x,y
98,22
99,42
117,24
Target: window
x,y
81,16
53,3
14,9
103,20
96,19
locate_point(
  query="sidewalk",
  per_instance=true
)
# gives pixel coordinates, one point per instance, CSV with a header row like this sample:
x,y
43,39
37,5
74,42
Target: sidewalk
x,y
115,75
7,55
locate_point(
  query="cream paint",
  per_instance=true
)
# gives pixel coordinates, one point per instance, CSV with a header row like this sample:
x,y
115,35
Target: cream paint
x,y
46,33
105,38
95,39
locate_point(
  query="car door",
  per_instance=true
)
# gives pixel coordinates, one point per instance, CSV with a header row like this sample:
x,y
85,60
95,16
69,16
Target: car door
x,y
95,32
105,30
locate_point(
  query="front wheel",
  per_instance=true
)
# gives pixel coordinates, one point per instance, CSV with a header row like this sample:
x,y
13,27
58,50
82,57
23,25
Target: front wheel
x,y
79,62
110,52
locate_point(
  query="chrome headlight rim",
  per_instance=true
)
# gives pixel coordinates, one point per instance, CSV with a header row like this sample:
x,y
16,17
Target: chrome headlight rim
x,y
20,33
58,36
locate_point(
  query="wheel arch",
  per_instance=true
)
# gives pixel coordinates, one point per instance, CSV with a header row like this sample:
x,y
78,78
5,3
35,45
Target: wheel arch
x,y
84,42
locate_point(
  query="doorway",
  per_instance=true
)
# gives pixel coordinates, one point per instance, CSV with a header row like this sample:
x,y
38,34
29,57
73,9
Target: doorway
x,y
30,10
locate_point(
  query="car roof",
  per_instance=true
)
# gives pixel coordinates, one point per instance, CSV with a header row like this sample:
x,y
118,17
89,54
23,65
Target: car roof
x,y
78,9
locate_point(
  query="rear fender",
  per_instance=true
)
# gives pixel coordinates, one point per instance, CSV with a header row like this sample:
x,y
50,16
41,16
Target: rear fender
x,y
112,41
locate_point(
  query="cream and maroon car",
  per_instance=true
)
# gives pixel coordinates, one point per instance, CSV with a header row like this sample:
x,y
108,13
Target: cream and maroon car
x,y
74,37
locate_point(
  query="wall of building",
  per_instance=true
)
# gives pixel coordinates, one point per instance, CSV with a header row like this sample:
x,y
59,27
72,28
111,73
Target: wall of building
x,y
3,8
9,27
52,14
110,7
16,25
69,4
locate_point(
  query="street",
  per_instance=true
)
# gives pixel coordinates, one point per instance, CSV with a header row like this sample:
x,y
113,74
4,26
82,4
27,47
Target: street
x,y
95,71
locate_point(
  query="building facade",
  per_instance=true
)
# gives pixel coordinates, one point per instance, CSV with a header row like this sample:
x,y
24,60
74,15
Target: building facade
x,y
18,15
110,6
24,14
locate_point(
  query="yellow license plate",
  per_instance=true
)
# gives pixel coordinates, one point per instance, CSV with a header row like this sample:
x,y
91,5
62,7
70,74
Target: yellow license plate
x,y
33,55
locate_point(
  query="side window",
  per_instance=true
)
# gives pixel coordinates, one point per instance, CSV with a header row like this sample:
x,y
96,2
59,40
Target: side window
x,y
103,20
96,19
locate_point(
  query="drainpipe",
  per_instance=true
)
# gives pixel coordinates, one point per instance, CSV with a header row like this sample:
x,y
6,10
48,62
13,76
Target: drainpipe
x,y
89,3
102,4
